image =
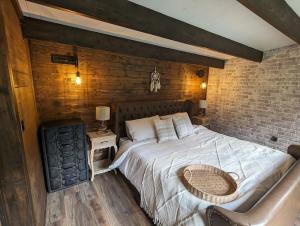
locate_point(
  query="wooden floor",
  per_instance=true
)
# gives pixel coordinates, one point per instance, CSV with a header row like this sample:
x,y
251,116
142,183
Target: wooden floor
x,y
106,201
297,223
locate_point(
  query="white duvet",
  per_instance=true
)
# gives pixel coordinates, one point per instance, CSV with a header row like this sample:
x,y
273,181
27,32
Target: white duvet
x,y
155,170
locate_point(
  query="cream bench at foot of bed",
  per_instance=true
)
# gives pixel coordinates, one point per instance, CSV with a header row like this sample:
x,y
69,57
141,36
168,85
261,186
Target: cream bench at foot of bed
x,y
279,207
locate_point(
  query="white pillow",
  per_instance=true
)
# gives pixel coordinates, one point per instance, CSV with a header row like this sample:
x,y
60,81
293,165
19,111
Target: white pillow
x,y
183,125
141,129
171,115
165,130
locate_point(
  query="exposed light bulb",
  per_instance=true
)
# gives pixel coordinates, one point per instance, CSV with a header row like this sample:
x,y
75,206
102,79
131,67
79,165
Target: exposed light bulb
x,y
203,85
78,80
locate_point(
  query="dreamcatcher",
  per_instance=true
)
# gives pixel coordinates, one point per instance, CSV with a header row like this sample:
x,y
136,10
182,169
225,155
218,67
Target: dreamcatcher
x,y
155,81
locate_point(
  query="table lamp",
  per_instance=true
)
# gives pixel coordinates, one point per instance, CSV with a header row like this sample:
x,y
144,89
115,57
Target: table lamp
x,y
102,115
202,106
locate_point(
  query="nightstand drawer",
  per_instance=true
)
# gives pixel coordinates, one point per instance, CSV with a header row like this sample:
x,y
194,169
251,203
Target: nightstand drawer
x,y
104,143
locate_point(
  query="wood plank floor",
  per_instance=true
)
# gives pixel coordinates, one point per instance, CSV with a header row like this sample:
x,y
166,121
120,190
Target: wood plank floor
x,y
106,201
297,223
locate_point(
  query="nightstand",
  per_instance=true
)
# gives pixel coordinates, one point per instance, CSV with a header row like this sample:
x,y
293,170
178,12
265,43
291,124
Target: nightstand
x,y
201,120
100,141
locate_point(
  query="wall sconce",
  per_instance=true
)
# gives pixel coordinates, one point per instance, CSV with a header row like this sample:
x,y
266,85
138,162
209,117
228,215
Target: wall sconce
x,y
66,59
203,85
200,73
78,80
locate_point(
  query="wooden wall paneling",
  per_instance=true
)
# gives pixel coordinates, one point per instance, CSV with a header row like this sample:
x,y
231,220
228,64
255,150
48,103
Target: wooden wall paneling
x,y
27,113
16,205
31,145
130,15
49,31
23,104
106,78
3,216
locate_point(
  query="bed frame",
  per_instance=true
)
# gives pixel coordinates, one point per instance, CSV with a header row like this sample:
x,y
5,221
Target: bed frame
x,y
136,110
280,206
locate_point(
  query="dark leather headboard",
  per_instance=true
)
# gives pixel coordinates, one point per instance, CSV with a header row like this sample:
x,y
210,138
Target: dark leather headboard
x,y
122,112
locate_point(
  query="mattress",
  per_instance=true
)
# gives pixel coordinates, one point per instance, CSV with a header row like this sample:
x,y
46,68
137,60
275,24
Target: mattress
x,y
155,170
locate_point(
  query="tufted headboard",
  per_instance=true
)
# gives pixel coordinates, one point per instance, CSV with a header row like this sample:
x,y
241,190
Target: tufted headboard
x,y
122,112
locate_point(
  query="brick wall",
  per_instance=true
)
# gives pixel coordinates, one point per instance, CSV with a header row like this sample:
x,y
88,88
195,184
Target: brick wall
x,y
254,101
106,78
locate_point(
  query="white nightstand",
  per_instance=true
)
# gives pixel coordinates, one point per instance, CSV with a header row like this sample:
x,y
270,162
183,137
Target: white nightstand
x,y
101,140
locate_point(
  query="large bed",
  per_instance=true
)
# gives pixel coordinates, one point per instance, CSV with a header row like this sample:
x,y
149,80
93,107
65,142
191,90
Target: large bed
x,y
155,169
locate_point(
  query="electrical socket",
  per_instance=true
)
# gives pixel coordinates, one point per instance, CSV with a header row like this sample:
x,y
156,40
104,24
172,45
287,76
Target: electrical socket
x,y
274,139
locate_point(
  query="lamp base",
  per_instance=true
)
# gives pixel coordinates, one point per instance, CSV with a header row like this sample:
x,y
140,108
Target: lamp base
x,y
203,111
102,127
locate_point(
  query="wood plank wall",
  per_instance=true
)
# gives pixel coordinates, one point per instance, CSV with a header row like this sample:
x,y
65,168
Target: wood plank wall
x,y
106,78
21,173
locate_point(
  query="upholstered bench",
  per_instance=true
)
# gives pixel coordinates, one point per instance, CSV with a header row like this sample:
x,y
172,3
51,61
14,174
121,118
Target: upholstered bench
x,y
280,206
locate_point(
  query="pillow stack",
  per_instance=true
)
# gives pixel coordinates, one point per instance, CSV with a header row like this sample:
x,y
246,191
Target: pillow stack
x,y
163,128
141,129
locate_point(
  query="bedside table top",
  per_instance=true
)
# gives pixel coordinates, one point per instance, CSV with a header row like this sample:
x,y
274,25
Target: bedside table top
x,y
99,134
203,120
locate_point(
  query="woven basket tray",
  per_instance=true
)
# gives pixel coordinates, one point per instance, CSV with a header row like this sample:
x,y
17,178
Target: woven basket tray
x,y
210,183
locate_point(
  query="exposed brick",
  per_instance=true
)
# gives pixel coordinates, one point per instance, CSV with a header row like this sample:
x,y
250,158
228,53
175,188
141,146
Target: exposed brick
x,y
254,101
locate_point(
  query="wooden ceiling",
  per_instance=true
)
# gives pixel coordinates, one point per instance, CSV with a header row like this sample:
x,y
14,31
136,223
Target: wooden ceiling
x,y
136,17
48,31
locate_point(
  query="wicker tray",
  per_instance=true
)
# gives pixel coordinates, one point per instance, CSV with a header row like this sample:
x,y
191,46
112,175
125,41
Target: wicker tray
x,y
210,183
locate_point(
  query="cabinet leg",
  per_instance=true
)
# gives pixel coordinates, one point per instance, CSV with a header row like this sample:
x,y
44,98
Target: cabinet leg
x,y
92,165
109,153
115,150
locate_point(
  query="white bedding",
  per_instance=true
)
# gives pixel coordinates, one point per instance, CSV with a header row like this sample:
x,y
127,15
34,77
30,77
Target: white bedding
x,y
155,169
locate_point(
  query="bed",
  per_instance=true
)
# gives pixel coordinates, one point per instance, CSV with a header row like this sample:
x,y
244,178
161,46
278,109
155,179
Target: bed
x,y
155,169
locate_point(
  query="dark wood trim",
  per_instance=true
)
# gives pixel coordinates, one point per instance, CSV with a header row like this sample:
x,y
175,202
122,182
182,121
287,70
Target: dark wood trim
x,y
277,13
18,9
130,15
14,188
48,31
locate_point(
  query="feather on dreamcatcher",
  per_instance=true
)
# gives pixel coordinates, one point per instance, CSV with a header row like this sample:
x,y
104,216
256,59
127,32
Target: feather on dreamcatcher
x,y
155,81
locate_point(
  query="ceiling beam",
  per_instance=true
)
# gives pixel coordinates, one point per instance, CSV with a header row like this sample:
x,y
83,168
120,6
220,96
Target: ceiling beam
x,y
48,31
277,13
130,15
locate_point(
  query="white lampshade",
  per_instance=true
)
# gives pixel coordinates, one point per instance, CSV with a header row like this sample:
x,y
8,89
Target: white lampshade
x,y
102,113
203,104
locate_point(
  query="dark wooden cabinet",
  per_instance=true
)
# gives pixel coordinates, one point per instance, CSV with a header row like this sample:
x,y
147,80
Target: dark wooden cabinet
x,y
64,153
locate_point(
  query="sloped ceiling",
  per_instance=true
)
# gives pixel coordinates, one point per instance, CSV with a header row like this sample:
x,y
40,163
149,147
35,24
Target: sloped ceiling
x,y
42,12
227,18
295,5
